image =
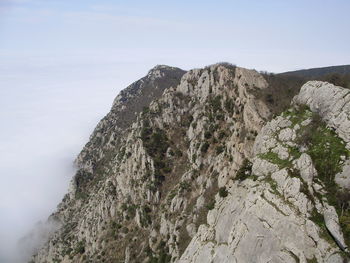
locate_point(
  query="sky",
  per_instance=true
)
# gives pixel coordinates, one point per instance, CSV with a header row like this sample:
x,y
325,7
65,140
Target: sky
x,y
63,62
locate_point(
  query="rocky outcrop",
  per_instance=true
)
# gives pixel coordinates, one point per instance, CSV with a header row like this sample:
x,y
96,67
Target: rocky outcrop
x,y
280,211
253,224
332,103
197,173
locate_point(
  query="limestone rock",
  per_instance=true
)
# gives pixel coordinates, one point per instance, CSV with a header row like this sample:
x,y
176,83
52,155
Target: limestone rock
x,y
305,166
332,224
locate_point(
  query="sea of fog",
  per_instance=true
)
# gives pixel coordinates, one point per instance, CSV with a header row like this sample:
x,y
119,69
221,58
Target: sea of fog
x,y
48,108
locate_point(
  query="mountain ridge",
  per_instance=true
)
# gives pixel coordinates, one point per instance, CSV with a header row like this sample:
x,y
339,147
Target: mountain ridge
x,y
318,72
158,173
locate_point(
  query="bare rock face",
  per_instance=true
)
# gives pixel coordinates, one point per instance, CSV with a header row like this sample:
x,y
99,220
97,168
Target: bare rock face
x,y
254,225
305,166
332,224
274,214
191,170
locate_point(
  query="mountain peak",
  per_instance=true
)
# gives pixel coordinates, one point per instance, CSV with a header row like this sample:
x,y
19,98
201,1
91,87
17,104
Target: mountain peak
x,y
159,71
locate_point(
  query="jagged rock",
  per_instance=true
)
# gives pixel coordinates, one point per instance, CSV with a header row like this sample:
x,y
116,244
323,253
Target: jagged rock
x,y
281,151
262,167
286,134
305,166
332,224
191,229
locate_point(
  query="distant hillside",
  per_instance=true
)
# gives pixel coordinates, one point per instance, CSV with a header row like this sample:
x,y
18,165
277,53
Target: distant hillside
x,y
282,87
337,75
319,72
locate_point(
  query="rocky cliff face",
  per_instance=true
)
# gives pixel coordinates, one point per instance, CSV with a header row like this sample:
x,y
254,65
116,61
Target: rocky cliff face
x,y
281,207
192,170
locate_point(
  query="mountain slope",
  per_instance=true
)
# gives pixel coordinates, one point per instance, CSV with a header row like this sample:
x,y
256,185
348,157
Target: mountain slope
x,y
337,75
195,172
315,73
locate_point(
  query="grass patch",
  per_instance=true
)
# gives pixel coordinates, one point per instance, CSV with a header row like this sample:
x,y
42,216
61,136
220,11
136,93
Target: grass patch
x,y
326,150
297,116
273,158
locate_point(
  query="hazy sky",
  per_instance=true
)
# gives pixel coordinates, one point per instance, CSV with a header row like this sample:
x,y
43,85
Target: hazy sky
x,y
62,63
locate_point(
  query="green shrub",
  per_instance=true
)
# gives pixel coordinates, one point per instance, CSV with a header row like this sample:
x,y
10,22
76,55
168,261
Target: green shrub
x,y
222,134
145,110
326,150
204,147
220,117
219,149
178,152
80,247
215,103
273,158
223,192
156,144
208,134
211,204
229,105
184,186
244,171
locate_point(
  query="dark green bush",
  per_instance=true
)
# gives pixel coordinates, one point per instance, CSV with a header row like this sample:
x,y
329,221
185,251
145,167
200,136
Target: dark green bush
x,y
211,204
222,134
208,134
244,171
229,105
223,192
156,144
205,147
80,248
219,149
215,103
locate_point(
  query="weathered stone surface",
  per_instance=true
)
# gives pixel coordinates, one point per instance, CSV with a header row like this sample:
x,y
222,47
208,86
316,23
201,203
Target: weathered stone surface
x,y
332,224
262,167
306,168
281,151
286,134
251,227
